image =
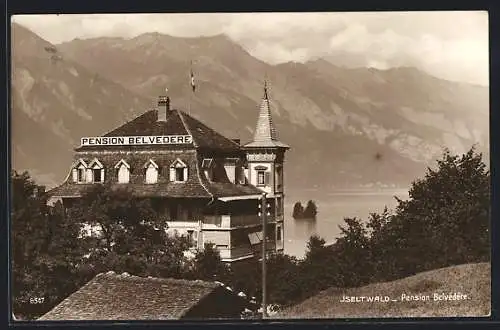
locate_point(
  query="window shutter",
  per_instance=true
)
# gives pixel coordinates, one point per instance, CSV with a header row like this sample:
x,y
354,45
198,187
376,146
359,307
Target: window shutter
x,y
89,177
185,173
267,177
102,175
172,174
75,175
151,175
123,174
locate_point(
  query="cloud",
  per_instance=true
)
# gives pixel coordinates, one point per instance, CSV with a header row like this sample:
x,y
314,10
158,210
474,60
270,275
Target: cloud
x,y
429,40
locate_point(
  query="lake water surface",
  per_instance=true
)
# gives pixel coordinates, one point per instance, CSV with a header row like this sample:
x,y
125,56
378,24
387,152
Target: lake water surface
x,y
333,207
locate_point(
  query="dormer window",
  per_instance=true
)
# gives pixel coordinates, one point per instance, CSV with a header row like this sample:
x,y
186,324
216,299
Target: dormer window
x,y
97,171
151,172
81,174
123,171
207,163
179,174
207,166
178,171
79,170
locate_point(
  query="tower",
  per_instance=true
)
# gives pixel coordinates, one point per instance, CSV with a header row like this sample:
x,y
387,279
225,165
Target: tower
x,y
265,159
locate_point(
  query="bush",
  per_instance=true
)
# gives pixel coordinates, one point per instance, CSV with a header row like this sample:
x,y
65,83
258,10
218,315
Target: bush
x,y
444,222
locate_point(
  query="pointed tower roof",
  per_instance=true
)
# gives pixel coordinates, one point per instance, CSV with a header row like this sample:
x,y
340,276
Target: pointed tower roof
x,y
265,133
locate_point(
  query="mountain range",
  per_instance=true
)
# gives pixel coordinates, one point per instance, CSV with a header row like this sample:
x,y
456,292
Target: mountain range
x,y
347,126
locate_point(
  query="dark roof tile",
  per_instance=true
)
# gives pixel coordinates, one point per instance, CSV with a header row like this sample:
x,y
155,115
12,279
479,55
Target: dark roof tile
x,y
110,296
197,185
177,123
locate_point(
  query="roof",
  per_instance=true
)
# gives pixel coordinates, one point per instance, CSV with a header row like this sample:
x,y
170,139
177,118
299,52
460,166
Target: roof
x,y
265,133
196,186
193,187
177,123
110,296
171,190
223,189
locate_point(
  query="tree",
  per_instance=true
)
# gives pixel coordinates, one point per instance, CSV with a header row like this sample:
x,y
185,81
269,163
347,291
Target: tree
x,y
209,266
131,237
315,248
46,256
318,270
284,281
310,210
298,211
381,240
246,277
352,253
446,220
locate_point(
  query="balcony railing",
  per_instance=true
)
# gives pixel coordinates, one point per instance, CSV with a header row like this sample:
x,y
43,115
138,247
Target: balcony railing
x,y
233,221
235,252
245,251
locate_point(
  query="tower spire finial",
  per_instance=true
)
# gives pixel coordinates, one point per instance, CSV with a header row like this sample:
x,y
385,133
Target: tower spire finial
x,y
265,132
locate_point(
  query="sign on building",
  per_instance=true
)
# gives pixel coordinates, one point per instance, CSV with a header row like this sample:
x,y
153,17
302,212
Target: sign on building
x,y
136,140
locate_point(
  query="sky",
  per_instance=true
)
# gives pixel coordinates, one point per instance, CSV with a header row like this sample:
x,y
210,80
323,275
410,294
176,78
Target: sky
x,y
451,45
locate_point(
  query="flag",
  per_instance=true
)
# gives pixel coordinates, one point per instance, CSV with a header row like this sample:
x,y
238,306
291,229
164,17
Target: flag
x,y
193,86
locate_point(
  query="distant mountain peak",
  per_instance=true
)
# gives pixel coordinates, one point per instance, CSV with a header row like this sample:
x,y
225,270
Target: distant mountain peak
x,y
333,115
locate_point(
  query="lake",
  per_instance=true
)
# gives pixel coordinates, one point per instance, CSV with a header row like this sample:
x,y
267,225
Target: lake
x,y
333,207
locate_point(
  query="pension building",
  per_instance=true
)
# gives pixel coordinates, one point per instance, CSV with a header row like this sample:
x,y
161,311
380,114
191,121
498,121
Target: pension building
x,y
204,185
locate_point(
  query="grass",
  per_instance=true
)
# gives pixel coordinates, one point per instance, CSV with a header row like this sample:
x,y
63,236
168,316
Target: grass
x,y
473,280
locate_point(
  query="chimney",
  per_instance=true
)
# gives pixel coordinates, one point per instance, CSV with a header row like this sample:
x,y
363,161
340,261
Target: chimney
x,y
163,107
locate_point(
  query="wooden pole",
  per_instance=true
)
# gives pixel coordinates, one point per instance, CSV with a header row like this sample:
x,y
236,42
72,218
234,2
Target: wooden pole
x,y
264,241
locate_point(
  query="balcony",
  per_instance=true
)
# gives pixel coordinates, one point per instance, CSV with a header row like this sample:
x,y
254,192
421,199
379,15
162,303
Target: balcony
x,y
235,252
232,221
246,251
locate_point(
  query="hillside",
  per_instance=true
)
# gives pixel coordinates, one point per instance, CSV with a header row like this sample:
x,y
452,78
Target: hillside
x,y
346,126
473,280
55,101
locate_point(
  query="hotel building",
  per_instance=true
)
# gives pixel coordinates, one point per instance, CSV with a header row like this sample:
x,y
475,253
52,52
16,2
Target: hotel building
x,y
205,185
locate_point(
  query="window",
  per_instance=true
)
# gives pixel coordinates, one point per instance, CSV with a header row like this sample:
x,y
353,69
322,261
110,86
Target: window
x,y
97,175
179,174
123,171
262,175
279,206
207,163
81,174
178,171
151,172
239,175
261,178
97,170
79,171
279,177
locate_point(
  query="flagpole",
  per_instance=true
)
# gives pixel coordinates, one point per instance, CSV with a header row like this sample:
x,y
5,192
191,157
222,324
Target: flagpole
x,y
191,82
